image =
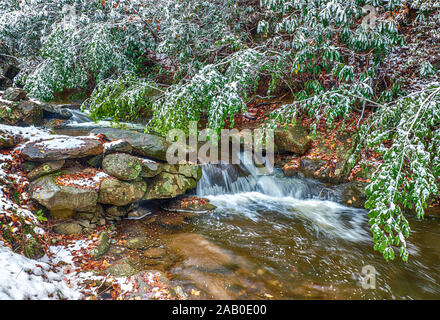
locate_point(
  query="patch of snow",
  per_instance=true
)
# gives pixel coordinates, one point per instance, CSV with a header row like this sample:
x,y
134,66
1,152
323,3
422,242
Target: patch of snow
x,y
113,143
22,278
61,143
27,133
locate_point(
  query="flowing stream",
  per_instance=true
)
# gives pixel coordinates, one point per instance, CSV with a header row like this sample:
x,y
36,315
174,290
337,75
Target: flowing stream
x,y
277,237
287,238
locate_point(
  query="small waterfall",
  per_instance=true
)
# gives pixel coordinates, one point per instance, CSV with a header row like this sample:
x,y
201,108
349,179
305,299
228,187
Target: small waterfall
x,y
240,190
222,178
79,117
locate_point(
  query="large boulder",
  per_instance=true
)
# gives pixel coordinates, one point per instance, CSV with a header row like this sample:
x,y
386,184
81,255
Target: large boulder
x,y
55,112
146,145
167,185
121,193
293,138
14,94
62,201
328,161
122,166
62,147
23,113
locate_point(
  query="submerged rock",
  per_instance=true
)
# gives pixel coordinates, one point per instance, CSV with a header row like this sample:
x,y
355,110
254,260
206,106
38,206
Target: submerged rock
x,y
122,268
122,166
154,253
171,220
140,243
61,147
199,251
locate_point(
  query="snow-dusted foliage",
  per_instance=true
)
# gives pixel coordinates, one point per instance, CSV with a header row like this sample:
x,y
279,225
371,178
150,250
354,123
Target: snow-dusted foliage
x,y
324,38
407,178
180,60
219,89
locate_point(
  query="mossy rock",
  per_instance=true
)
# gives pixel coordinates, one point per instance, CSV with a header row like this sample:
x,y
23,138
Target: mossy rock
x,y
120,193
293,138
45,169
102,247
122,268
167,185
122,166
33,249
67,228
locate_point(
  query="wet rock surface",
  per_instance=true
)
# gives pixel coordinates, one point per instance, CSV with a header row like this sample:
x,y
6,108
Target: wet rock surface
x,y
189,205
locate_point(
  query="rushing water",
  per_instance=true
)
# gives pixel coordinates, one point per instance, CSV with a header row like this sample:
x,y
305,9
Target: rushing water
x,y
287,238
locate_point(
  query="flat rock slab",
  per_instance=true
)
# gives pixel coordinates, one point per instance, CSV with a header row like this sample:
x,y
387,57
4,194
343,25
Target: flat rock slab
x,y
59,148
143,144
